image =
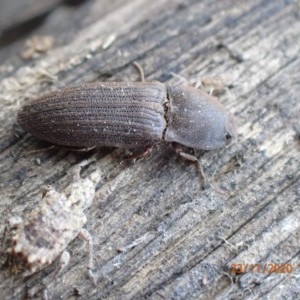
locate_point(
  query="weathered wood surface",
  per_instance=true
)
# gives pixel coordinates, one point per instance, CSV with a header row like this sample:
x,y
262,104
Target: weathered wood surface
x,y
155,233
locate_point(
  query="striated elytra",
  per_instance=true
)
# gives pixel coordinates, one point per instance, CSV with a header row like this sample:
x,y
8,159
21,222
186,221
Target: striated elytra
x,y
129,115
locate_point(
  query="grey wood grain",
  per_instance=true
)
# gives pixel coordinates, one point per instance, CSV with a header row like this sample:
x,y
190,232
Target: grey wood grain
x,y
156,235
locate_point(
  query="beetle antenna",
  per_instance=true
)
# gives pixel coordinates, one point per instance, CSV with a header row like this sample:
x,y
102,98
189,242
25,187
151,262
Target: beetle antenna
x,y
140,71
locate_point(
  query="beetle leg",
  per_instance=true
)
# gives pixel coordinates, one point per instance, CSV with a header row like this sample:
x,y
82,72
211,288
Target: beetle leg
x,y
139,154
178,80
214,85
197,164
193,159
78,149
30,152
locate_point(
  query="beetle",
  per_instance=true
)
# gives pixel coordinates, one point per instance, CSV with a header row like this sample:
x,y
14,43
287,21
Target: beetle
x,y
130,115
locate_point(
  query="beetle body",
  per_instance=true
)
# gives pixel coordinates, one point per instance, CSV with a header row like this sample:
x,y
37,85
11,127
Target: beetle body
x,y
128,115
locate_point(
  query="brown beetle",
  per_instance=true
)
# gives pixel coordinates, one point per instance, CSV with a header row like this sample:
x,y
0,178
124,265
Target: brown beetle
x,y
130,115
